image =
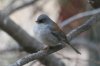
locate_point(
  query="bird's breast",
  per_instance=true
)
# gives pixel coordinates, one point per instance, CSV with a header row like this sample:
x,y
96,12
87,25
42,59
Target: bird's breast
x,y
40,31
43,34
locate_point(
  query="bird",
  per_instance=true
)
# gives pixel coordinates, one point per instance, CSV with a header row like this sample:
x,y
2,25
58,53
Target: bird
x,y
46,31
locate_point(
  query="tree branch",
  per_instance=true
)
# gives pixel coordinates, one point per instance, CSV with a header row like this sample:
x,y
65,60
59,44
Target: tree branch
x,y
87,25
13,7
28,43
78,16
38,55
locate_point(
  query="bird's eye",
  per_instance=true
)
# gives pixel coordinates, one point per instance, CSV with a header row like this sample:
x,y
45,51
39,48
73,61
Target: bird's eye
x,y
41,21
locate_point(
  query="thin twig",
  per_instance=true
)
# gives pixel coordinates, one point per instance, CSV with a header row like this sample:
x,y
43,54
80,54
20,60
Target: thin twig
x,y
87,25
13,8
78,16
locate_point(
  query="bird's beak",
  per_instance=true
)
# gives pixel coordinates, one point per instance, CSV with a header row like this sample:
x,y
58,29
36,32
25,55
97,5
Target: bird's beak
x,y
36,21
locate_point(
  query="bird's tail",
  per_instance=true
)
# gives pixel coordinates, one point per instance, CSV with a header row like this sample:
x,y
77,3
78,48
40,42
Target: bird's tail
x,y
73,48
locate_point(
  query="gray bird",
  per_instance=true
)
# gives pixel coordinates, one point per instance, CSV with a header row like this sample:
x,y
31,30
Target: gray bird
x,y
47,32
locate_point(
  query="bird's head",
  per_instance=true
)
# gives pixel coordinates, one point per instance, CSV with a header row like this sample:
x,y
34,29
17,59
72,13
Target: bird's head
x,y
43,18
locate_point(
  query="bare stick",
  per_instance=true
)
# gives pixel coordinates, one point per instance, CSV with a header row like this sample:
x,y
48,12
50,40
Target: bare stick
x,y
78,16
13,8
87,25
37,55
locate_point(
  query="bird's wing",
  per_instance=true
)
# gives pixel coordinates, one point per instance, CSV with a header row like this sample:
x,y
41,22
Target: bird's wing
x,y
60,35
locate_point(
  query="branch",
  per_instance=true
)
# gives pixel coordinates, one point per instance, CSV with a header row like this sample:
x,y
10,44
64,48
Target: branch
x,y
17,33
38,55
78,16
28,43
86,26
13,7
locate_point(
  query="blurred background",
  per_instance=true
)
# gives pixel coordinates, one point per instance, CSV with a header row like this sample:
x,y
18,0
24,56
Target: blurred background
x,y
88,42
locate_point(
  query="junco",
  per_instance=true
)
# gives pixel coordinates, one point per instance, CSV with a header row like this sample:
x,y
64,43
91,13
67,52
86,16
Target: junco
x,y
47,32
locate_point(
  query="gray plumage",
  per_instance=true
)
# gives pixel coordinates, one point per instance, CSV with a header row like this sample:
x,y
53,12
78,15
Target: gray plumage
x,y
47,32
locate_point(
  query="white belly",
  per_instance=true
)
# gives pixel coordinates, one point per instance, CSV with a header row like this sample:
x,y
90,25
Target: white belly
x,y
43,35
